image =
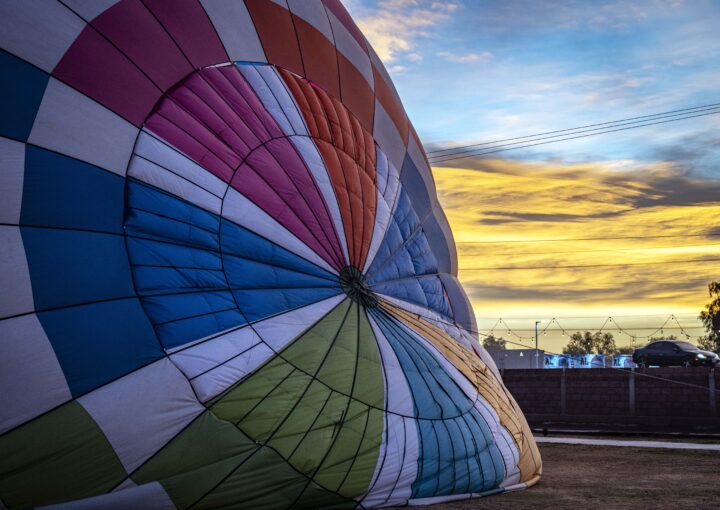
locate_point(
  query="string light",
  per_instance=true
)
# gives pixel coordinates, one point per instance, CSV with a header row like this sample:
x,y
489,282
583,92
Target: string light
x,y
630,332
437,319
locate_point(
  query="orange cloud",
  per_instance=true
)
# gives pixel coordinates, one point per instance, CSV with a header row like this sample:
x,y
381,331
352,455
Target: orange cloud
x,y
496,209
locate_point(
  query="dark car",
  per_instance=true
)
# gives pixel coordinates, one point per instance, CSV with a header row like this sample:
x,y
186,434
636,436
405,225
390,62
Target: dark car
x,y
669,353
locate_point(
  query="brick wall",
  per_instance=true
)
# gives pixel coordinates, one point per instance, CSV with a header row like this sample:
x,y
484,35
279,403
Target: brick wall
x,y
604,392
539,389
646,399
659,398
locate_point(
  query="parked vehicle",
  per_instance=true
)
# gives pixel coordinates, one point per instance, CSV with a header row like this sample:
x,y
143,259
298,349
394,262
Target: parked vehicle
x,y
669,353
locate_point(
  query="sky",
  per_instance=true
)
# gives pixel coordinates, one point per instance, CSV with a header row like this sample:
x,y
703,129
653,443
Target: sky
x,y
478,71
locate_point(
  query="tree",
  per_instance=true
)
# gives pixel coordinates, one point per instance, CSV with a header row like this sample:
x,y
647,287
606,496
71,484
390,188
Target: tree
x,y
604,343
579,344
625,349
589,343
490,343
656,338
710,318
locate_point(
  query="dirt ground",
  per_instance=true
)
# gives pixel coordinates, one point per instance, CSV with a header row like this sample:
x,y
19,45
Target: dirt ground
x,y
586,477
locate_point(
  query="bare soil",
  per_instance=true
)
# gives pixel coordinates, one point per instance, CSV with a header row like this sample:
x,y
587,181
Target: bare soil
x,y
586,477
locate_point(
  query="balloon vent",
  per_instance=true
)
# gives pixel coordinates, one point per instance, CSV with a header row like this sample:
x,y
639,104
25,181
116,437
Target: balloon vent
x,y
355,285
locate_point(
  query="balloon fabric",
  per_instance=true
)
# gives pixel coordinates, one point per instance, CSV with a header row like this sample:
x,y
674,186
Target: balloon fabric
x,y
226,279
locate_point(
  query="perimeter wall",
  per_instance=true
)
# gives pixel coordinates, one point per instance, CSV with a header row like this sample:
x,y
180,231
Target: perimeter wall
x,y
651,399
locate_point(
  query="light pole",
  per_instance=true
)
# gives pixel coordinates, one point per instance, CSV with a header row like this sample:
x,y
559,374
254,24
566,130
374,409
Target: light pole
x,y
537,352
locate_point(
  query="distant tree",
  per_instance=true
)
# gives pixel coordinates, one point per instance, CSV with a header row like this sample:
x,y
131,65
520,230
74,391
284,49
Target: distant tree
x,y
710,318
625,349
589,343
490,343
666,337
604,343
579,344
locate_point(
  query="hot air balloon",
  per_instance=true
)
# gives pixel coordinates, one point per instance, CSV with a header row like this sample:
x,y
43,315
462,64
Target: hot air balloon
x,y
226,278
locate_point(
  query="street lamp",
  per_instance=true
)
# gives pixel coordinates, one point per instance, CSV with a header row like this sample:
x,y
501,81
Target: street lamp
x,y
537,352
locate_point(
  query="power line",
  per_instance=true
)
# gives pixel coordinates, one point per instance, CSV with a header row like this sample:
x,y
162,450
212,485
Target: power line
x,y
502,324
641,374
634,316
496,148
536,138
508,268
707,106
608,238
635,328
454,158
598,317
615,250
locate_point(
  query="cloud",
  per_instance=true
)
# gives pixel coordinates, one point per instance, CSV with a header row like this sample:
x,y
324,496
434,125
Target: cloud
x,y
465,58
678,190
530,67
715,231
397,69
501,217
396,26
500,202
413,57
697,154
609,15
444,6
550,69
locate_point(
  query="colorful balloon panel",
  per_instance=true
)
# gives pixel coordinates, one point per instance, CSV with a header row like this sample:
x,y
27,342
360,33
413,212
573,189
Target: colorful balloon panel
x,y
226,277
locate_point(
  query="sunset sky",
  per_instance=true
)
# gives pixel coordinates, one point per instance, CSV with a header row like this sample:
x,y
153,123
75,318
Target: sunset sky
x,y
471,72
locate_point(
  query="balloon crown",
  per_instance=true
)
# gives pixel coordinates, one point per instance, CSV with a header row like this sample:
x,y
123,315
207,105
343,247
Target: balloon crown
x,y
355,285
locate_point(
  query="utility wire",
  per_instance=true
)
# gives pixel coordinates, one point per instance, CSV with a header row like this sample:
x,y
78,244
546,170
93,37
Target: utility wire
x,y
612,250
575,128
579,266
495,149
617,327
640,374
502,324
536,138
609,238
607,328
598,317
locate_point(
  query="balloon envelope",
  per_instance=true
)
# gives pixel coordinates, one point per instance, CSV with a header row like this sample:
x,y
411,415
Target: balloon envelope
x,y
226,278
